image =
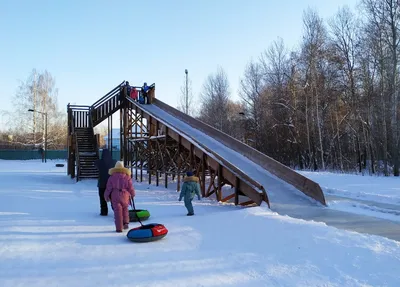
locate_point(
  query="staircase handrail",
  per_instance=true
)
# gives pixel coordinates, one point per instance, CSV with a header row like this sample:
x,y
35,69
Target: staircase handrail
x,y
106,97
94,137
78,107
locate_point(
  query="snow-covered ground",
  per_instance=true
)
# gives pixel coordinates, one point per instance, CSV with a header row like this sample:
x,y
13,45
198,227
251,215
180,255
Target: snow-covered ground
x,y
343,212
51,235
372,188
375,196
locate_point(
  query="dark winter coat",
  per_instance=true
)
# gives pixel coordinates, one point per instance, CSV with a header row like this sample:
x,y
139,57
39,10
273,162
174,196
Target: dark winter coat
x,y
104,164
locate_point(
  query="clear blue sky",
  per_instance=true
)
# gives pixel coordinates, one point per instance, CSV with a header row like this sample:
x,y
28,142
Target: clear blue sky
x,y
91,46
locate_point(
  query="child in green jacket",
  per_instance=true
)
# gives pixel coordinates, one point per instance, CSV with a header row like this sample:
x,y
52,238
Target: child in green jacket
x,y
190,188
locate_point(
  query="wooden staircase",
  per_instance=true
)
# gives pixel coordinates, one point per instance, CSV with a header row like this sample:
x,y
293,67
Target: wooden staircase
x,y
87,153
83,150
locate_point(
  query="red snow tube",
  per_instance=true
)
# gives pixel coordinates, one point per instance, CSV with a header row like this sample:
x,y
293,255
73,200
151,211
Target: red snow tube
x,y
147,233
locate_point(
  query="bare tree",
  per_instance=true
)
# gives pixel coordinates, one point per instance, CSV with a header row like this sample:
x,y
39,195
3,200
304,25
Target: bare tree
x,y
276,69
251,92
275,65
331,104
313,49
38,92
343,55
214,100
382,28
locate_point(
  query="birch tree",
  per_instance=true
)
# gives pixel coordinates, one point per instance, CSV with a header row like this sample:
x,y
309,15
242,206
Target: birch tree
x,y
383,22
38,92
343,28
313,49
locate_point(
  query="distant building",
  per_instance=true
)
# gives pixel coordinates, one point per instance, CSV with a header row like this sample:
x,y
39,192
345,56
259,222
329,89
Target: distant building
x,y
115,140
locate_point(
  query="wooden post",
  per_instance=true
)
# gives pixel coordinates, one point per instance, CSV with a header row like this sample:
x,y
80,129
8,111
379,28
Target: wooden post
x,y
151,95
237,189
219,192
121,133
149,147
141,135
191,157
165,168
203,175
127,132
136,145
178,187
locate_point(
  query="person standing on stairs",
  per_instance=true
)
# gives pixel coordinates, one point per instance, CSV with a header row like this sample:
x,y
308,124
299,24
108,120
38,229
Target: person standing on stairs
x,y
103,165
190,188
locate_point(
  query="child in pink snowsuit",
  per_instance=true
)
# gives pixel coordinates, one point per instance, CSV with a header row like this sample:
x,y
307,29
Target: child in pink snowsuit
x,y
119,190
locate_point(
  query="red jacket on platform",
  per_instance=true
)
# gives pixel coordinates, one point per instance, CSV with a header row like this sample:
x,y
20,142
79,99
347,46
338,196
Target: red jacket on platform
x,y
134,94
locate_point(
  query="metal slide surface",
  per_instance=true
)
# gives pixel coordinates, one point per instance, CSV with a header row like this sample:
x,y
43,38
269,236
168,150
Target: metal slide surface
x,y
284,198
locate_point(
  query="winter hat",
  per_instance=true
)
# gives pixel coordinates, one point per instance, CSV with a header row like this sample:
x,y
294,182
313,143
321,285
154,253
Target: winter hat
x,y
119,167
119,164
189,173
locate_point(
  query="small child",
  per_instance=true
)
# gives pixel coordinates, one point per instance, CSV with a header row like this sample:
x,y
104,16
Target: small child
x,y
190,187
119,190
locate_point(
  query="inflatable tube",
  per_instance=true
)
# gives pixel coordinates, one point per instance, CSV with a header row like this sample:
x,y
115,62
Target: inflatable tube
x,y
135,215
147,233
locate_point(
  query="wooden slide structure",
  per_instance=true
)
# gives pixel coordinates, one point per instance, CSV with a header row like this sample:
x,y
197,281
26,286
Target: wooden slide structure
x,y
159,148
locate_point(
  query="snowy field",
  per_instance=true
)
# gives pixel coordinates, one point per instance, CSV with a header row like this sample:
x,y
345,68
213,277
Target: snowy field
x,y
51,235
371,188
375,196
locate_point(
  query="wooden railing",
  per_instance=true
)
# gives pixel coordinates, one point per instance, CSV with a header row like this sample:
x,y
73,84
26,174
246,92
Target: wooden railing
x,y
107,105
107,96
80,115
71,145
78,166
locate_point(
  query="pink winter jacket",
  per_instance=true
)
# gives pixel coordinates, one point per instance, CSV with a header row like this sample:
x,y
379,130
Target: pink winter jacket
x,y
119,189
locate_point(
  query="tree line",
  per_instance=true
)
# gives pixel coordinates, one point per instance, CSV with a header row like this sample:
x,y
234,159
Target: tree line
x,y
330,104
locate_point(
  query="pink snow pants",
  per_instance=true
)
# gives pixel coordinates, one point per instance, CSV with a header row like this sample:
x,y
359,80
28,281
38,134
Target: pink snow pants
x,y
121,211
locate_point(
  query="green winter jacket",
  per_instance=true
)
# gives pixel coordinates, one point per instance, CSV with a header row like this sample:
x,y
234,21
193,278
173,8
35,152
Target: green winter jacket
x,y
190,188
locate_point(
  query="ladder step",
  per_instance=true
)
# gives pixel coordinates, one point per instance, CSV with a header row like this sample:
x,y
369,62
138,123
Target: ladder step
x,y
90,153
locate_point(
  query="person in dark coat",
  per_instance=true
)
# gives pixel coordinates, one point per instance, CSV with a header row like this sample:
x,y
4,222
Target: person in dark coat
x,y
41,151
128,89
145,93
103,165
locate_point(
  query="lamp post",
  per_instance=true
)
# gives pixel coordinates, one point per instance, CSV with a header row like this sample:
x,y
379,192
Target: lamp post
x,y
45,131
187,93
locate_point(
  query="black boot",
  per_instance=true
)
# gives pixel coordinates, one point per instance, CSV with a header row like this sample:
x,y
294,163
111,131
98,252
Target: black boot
x,y
103,203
